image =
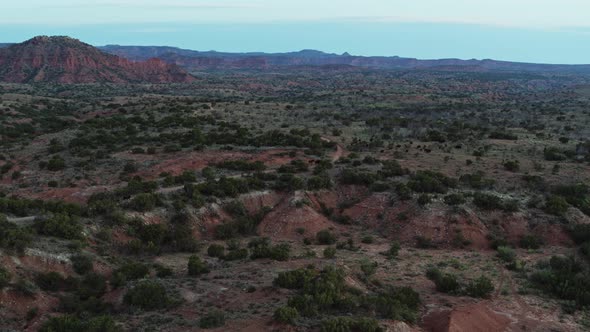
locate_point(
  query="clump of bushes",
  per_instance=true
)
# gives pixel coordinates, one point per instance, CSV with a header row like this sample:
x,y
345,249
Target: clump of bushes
x,y
506,254
69,323
563,277
147,295
81,263
212,320
261,248
286,315
128,272
339,324
481,287
431,182
512,165
12,237
486,201
325,237
60,225
326,291
216,250
530,241
454,199
556,205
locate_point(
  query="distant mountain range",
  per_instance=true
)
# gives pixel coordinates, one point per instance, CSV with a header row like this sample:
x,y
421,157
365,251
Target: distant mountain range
x,y
211,60
68,60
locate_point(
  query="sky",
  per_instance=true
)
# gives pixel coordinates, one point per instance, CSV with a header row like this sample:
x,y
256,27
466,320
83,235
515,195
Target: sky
x,y
547,31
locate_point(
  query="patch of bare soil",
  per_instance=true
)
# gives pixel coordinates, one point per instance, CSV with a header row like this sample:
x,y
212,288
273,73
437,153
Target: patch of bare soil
x,y
470,318
292,215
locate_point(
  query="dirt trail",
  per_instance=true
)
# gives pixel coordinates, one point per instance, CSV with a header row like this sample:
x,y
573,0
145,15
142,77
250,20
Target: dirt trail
x,y
340,151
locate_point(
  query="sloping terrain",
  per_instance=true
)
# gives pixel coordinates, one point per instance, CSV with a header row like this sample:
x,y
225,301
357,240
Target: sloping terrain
x,y
307,200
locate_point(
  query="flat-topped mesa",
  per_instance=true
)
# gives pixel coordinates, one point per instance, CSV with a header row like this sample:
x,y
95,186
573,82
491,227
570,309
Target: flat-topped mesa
x,y
61,59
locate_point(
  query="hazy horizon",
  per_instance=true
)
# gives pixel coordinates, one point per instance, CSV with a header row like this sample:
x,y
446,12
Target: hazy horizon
x,y
538,31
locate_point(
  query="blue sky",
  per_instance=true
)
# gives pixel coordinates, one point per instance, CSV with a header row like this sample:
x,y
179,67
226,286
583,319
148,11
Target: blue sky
x,y
520,30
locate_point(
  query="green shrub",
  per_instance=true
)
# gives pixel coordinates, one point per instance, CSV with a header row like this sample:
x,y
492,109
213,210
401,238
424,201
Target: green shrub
x,y
330,252
294,279
286,315
347,324
554,154
481,287
128,272
447,283
65,323
424,199
530,241
487,201
143,202
352,176
60,225
397,303
147,295
368,267
212,320
50,281
565,278
423,242
325,237
216,250
476,181
102,324
56,163
393,250
431,182
556,205
237,254
261,248
4,277
13,237
81,263
163,271
512,165
196,266
454,199
92,285
368,239
392,168
506,254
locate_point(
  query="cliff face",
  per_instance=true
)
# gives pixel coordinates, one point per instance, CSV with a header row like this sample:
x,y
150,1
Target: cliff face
x,y
67,60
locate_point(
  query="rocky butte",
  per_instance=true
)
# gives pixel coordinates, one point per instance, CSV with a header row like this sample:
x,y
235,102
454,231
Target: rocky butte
x,y
68,60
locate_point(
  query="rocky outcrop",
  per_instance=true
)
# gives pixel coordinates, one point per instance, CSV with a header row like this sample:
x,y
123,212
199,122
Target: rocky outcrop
x,y
67,60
